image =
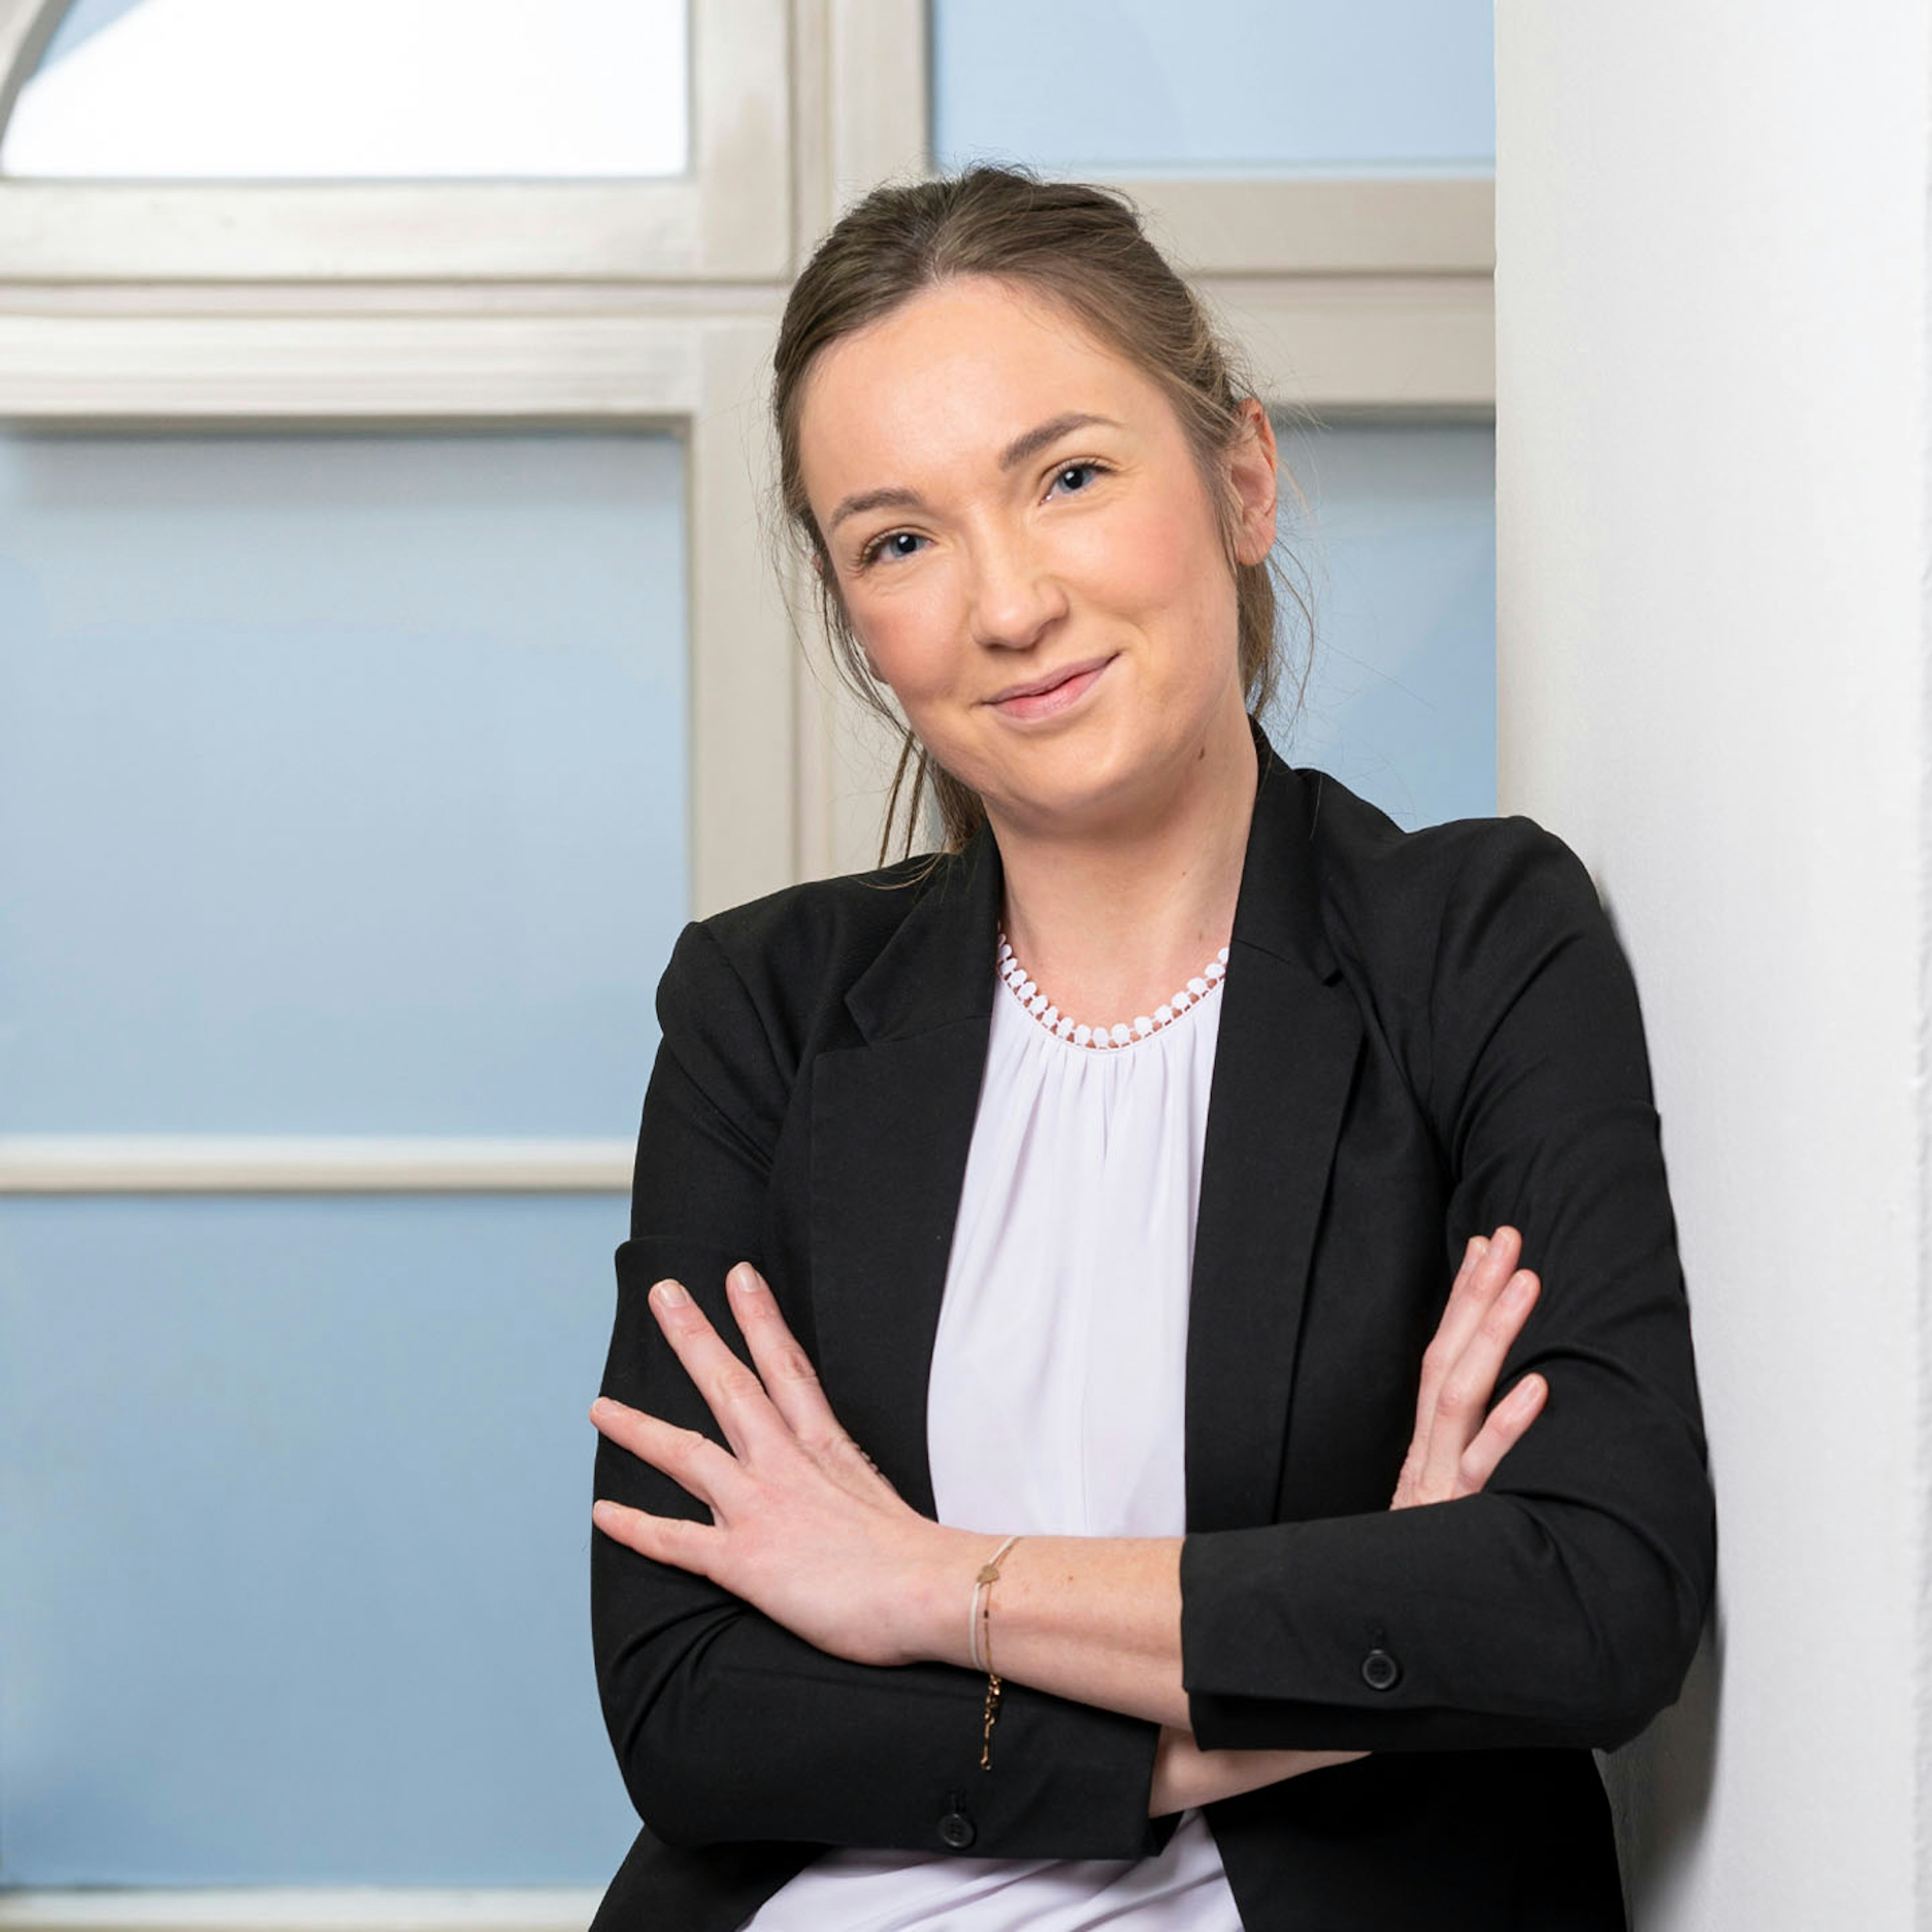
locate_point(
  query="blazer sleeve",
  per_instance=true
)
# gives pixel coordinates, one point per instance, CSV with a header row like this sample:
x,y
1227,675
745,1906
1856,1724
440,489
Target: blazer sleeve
x,y
726,1725
1562,1605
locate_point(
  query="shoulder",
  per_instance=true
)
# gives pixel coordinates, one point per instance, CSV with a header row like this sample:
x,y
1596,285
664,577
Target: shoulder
x,y
1482,950
848,917
1459,939
775,969
1412,903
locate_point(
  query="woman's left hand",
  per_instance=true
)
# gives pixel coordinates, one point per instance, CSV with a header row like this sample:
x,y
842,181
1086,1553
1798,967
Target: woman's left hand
x,y
1459,1439
804,1527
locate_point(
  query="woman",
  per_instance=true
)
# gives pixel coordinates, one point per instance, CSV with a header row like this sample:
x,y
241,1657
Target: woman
x,y
1010,1543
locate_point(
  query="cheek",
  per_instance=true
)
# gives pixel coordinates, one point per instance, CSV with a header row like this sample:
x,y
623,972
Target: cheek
x,y
1161,566
910,630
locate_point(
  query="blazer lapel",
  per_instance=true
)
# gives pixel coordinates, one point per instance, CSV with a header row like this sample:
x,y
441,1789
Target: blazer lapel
x,y
892,1123
1285,1057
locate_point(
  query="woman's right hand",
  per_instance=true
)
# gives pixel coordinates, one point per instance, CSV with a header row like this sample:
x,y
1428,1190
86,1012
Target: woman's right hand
x,y
1459,1440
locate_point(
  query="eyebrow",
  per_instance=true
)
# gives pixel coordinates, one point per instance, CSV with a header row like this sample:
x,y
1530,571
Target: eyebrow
x,y
897,497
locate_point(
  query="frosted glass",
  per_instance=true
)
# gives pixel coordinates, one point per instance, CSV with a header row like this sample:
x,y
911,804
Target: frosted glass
x,y
350,89
1222,86
295,1502
1398,543
343,781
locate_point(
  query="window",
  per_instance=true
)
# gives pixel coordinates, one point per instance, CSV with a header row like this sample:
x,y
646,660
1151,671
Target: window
x,y
397,89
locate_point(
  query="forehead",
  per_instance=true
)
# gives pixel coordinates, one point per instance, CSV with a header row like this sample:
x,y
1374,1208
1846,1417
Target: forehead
x,y
951,376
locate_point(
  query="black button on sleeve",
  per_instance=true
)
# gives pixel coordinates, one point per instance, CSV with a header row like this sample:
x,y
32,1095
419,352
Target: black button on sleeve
x,y
956,1832
1380,1671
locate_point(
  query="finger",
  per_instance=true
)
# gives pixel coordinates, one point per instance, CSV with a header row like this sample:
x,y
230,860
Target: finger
x,y
1500,1434
1435,1362
1486,1267
784,1368
732,1391
692,1460
1487,1263
1463,1400
665,1539
793,1385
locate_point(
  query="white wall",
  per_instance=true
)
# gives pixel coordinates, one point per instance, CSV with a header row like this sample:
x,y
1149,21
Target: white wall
x,y
1712,330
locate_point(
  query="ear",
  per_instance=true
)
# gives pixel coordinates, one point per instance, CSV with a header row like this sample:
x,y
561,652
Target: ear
x,y
1252,475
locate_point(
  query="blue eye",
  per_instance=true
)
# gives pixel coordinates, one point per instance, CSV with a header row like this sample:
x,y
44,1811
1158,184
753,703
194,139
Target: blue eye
x,y
888,546
901,544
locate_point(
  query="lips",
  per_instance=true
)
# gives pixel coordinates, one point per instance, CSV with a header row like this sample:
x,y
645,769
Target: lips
x,y
1067,689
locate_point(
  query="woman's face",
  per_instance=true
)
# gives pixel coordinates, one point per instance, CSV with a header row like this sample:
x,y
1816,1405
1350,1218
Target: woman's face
x,y
1007,502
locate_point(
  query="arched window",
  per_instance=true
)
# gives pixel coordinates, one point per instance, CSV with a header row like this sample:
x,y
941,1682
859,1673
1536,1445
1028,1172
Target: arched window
x,y
399,90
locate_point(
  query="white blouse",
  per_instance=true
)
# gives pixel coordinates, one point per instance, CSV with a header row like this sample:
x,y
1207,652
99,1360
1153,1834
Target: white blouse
x,y
1055,1407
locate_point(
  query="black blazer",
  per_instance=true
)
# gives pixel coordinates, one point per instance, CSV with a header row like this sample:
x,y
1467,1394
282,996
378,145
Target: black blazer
x,y
1422,1035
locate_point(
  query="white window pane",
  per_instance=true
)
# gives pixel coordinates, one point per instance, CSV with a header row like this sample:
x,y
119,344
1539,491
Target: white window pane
x,y
1269,87
356,89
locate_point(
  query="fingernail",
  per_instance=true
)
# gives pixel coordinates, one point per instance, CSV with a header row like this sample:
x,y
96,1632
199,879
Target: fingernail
x,y
669,1294
1517,1292
601,1513
745,1279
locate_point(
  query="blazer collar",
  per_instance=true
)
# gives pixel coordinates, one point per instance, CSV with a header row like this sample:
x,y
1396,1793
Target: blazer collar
x,y
934,969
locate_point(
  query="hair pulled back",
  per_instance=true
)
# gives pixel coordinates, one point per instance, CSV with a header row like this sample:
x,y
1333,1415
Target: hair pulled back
x,y
1082,246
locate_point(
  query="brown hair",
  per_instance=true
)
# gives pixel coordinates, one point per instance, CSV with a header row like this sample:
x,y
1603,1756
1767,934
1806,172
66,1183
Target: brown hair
x,y
1082,246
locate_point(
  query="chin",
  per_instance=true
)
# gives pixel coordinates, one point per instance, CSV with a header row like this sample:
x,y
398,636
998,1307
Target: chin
x,y
1085,769
1085,790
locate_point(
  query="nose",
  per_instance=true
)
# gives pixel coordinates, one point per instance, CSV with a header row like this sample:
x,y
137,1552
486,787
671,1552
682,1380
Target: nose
x,y
1014,597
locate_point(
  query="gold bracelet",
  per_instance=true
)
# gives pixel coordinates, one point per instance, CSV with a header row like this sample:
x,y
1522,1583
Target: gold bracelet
x,y
981,1630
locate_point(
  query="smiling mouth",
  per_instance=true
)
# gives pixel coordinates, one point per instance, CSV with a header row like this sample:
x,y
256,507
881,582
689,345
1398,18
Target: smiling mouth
x,y
1064,691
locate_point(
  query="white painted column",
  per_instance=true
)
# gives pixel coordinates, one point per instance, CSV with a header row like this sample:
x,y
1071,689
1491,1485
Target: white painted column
x,y
1712,326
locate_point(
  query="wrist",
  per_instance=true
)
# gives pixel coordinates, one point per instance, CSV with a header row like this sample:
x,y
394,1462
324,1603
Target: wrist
x,y
939,1595
1176,1758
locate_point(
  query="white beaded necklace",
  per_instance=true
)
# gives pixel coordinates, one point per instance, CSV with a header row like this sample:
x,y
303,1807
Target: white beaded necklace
x,y
1126,1033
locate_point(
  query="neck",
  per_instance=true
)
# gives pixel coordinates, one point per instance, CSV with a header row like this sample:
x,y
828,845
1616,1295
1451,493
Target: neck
x,y
1108,923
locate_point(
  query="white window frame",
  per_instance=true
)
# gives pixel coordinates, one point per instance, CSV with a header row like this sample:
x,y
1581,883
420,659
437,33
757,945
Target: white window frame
x,y
701,226
701,379
648,305
653,305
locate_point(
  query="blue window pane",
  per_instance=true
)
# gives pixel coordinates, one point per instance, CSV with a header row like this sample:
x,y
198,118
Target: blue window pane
x,y
294,1499
1398,543
1233,86
343,781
